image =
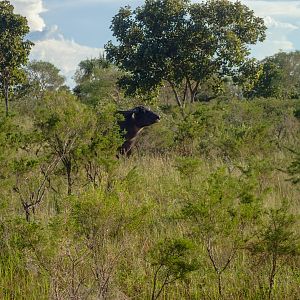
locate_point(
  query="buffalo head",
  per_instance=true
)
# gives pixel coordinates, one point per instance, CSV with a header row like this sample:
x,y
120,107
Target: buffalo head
x,y
144,117
134,121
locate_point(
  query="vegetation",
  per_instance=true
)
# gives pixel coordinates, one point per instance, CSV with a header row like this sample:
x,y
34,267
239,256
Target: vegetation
x,y
183,45
206,208
14,49
96,82
280,77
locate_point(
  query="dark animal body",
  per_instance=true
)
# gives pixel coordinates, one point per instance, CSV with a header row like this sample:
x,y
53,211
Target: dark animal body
x,y
134,121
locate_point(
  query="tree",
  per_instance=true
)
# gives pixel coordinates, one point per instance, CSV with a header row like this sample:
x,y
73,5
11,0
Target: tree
x,y
44,76
96,80
222,218
66,125
171,262
181,44
279,77
32,173
98,156
41,76
14,50
289,64
270,82
277,241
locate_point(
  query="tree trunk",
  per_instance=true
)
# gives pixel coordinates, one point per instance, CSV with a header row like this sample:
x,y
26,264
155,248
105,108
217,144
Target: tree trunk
x,y
192,90
272,275
177,97
6,97
27,211
220,285
68,166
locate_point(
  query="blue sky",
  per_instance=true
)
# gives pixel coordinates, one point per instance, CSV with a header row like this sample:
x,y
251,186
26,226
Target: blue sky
x,y
68,31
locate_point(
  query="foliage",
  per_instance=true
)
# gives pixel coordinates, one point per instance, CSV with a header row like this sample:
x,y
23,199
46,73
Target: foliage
x,y
44,76
188,167
276,240
235,128
221,216
189,219
181,43
99,154
14,50
10,140
57,119
41,77
191,129
170,261
289,64
279,77
96,82
294,169
270,83
194,214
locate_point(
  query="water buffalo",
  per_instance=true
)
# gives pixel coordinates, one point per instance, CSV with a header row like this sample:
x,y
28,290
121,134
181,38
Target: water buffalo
x,y
134,121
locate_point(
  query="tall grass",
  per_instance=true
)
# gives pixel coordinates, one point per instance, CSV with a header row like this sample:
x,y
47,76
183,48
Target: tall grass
x,y
210,193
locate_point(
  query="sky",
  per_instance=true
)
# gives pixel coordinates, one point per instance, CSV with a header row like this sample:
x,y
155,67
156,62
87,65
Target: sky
x,y
66,32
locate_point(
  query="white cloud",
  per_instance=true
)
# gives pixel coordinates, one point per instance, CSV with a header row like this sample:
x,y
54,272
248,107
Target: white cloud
x,y
50,44
272,23
270,47
31,9
274,8
52,32
66,3
65,54
281,18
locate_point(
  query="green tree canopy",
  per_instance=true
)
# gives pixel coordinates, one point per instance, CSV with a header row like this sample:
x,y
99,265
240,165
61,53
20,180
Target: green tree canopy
x,y
96,81
14,49
269,83
44,76
41,77
57,118
182,44
280,76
